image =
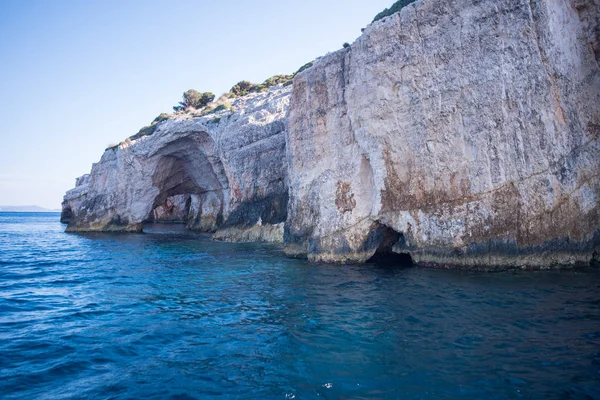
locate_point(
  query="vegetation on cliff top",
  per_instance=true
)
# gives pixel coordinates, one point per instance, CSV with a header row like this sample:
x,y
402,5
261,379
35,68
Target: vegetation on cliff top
x,y
243,88
397,6
200,104
304,67
193,99
145,131
162,117
150,129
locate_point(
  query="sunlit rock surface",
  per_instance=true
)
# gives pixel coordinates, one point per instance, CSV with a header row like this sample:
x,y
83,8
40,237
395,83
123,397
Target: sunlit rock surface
x,y
225,170
463,132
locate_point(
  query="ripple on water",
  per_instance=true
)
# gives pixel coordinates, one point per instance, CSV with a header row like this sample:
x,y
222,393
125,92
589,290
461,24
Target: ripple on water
x,y
171,315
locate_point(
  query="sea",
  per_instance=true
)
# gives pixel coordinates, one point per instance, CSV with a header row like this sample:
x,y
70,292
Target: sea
x,y
169,314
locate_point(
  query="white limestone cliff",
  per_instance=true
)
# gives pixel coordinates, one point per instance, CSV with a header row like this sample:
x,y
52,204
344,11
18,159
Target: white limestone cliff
x,y
463,132
224,170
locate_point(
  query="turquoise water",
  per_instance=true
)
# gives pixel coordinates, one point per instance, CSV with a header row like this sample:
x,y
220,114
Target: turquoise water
x,y
174,316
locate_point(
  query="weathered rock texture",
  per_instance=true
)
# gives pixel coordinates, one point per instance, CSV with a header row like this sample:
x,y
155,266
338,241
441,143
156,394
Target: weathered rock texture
x,y
223,172
462,132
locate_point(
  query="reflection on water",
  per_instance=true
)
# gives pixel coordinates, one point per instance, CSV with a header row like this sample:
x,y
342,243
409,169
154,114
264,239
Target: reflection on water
x,y
166,315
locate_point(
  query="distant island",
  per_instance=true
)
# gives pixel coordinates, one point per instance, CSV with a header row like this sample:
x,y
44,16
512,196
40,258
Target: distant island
x,y
26,209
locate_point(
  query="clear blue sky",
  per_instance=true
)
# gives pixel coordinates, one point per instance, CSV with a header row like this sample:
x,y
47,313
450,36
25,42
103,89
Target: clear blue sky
x,y
78,75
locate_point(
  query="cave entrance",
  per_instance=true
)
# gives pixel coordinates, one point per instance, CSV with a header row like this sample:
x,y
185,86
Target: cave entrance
x,y
385,254
190,183
173,210
177,185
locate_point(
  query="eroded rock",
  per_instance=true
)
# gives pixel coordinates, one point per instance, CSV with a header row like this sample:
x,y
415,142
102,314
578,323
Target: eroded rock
x,y
198,171
458,133
469,127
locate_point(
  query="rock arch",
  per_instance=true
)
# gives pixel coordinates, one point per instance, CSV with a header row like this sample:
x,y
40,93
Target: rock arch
x,y
190,182
391,247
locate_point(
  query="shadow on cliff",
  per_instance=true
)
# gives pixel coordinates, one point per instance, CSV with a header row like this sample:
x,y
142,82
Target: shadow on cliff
x,y
385,256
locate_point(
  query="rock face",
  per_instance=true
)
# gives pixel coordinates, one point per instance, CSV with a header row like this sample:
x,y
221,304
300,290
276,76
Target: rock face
x,y
462,132
223,172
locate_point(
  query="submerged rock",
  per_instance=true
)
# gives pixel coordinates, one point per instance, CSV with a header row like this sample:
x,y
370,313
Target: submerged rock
x,y
468,128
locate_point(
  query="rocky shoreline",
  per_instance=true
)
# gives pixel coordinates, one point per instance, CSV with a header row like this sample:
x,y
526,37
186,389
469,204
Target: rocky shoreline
x,y
464,134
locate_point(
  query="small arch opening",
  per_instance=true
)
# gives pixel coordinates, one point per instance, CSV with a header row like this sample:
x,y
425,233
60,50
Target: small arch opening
x,y
387,252
190,184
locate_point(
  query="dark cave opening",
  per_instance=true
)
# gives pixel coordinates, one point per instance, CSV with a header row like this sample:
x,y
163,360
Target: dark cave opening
x,y
403,260
169,217
385,255
189,186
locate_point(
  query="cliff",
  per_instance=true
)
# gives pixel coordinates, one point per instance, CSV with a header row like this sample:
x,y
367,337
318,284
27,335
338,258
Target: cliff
x,y
463,133
221,173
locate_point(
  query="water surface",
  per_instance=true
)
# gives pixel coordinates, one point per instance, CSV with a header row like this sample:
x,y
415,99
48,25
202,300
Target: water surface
x,y
169,315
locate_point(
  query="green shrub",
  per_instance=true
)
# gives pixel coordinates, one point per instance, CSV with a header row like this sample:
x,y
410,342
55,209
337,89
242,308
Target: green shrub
x,y
276,80
304,67
150,129
194,99
145,131
207,97
223,107
346,45
243,88
397,6
162,117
